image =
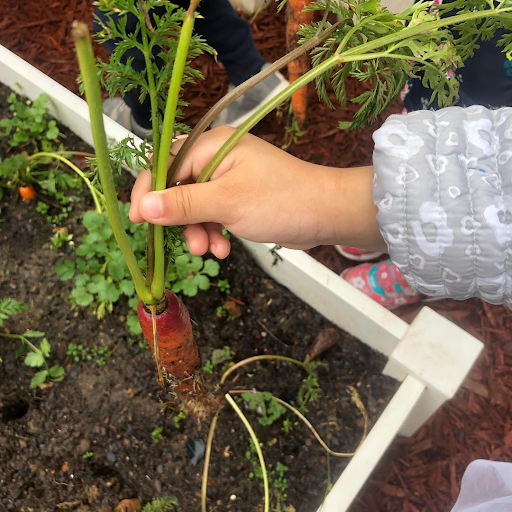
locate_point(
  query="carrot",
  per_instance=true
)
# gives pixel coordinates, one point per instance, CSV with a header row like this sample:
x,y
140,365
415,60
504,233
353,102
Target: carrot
x,y
294,19
178,355
27,192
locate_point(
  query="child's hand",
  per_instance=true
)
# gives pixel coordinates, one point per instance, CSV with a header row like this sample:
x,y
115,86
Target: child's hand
x,y
262,194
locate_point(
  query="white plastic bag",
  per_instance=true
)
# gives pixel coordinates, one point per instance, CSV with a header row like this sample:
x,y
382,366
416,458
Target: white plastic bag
x,y
486,487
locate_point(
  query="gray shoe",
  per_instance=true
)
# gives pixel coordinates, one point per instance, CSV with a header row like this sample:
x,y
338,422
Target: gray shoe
x,y
121,113
243,108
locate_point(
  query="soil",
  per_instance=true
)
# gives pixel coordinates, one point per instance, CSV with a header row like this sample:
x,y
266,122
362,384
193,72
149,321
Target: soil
x,y
111,411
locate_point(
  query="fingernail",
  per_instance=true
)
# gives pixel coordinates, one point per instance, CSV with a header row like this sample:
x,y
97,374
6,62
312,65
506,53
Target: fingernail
x,y
152,205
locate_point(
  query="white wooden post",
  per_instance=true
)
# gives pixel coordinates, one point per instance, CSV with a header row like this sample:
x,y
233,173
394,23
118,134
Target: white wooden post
x,y
439,354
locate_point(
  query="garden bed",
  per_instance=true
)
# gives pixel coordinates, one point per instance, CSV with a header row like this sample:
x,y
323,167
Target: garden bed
x,y
420,473
86,442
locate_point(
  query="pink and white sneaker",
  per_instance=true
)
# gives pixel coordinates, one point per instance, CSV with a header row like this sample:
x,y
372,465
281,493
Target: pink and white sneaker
x,y
355,254
383,282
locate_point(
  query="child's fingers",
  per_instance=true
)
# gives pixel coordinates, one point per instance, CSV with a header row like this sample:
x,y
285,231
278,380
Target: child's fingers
x,y
189,204
218,244
203,151
141,187
196,238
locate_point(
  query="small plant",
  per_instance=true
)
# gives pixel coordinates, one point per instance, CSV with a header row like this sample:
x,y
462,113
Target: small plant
x,y
310,391
268,409
287,426
191,273
99,353
35,355
221,311
87,455
65,208
164,504
9,307
276,477
179,418
224,286
219,356
29,123
60,238
100,273
208,367
157,435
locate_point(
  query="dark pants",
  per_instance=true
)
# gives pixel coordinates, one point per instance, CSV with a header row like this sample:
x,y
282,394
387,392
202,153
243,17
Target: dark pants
x,y
222,29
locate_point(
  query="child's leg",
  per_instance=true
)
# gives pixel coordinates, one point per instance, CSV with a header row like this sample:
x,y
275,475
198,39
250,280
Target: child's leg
x,y
231,37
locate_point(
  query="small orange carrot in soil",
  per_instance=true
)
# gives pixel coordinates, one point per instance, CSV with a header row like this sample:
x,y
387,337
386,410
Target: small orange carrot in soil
x,y
177,353
27,192
129,506
294,19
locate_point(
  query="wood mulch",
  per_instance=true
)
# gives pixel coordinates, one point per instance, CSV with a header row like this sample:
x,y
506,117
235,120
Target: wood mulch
x,y
421,473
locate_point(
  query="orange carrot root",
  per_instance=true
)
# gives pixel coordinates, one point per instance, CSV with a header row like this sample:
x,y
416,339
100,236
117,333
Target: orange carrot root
x,y
294,19
178,354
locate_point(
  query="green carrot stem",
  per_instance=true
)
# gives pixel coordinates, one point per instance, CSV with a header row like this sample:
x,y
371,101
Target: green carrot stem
x,y
96,195
423,28
143,21
150,255
151,84
93,95
158,283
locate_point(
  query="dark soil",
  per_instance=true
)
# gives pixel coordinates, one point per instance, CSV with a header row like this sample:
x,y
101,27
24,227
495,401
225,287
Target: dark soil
x,y
111,411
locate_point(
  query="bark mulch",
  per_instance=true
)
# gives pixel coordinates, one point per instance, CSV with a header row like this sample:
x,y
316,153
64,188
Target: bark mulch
x,y
422,473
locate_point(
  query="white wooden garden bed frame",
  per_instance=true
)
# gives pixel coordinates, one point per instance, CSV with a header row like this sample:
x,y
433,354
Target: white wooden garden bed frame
x,y
431,357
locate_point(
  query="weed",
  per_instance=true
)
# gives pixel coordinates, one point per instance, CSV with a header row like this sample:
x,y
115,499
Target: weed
x,y
30,129
140,342
287,426
9,307
87,455
224,286
208,367
219,356
35,355
164,504
276,477
310,391
157,435
179,418
99,353
30,122
61,238
265,405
